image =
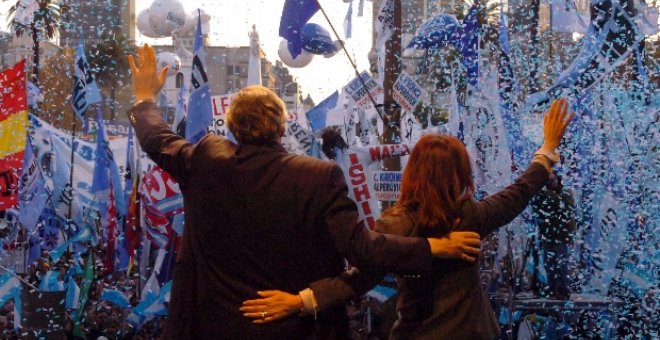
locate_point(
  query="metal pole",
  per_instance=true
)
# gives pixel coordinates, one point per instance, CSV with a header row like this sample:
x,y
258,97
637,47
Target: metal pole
x,y
357,73
19,278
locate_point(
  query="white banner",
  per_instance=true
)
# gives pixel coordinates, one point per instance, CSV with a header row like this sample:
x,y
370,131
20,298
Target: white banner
x,y
407,92
359,94
220,106
387,185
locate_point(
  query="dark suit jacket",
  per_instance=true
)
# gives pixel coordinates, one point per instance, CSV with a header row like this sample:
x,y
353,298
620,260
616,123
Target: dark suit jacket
x,y
259,218
449,303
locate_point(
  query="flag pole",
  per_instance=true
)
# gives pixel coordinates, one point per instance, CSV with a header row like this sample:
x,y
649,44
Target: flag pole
x,y
357,73
73,139
19,278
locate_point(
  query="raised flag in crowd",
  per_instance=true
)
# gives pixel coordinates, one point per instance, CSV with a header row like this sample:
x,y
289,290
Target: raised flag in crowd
x,y
104,194
51,282
34,94
115,296
133,230
318,115
179,123
85,90
87,233
348,21
67,202
200,111
10,288
384,23
33,192
72,295
13,132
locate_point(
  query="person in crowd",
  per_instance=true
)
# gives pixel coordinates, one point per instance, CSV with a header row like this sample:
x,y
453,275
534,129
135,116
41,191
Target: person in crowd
x,y
258,217
554,208
436,191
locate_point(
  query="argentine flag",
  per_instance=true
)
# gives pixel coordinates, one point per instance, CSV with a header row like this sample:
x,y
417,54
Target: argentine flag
x,y
200,111
85,90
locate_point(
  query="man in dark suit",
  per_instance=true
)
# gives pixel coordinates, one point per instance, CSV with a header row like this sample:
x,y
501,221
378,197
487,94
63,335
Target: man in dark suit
x,y
259,218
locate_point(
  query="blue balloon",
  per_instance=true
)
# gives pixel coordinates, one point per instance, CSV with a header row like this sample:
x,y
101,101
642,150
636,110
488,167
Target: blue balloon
x,y
439,31
317,40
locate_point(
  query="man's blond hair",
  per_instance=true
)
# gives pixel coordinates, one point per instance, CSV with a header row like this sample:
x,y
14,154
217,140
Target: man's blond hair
x,y
256,115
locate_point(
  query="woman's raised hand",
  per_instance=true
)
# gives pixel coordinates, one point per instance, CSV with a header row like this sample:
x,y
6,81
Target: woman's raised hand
x,y
554,124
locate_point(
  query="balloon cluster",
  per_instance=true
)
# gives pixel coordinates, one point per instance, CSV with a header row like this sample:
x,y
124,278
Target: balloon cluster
x,y
165,18
315,40
170,60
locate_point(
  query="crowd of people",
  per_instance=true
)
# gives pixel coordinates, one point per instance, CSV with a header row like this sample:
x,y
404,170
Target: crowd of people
x,y
41,316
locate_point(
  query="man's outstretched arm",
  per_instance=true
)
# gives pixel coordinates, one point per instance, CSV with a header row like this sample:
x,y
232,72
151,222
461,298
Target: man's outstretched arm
x,y
170,151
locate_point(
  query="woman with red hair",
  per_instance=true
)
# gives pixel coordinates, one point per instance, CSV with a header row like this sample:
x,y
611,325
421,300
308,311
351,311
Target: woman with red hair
x,y
437,191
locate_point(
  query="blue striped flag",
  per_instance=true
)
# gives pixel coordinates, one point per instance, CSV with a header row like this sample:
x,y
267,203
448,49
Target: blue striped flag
x,y
85,90
200,110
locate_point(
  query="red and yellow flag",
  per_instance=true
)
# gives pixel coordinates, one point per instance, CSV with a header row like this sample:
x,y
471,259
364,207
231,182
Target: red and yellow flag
x,y
13,132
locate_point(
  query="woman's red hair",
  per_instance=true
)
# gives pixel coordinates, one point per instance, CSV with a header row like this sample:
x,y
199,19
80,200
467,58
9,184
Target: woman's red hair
x,y
436,182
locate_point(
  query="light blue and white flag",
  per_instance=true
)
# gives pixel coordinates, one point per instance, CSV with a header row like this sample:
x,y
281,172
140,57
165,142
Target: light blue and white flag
x,y
34,248
348,21
86,233
116,297
381,293
64,197
72,295
318,115
179,123
34,94
154,304
18,308
8,285
200,109
50,282
85,90
384,23
33,192
106,173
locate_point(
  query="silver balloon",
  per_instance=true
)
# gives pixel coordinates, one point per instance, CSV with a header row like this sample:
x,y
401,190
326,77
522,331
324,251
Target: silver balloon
x,y
166,16
170,60
285,55
144,27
